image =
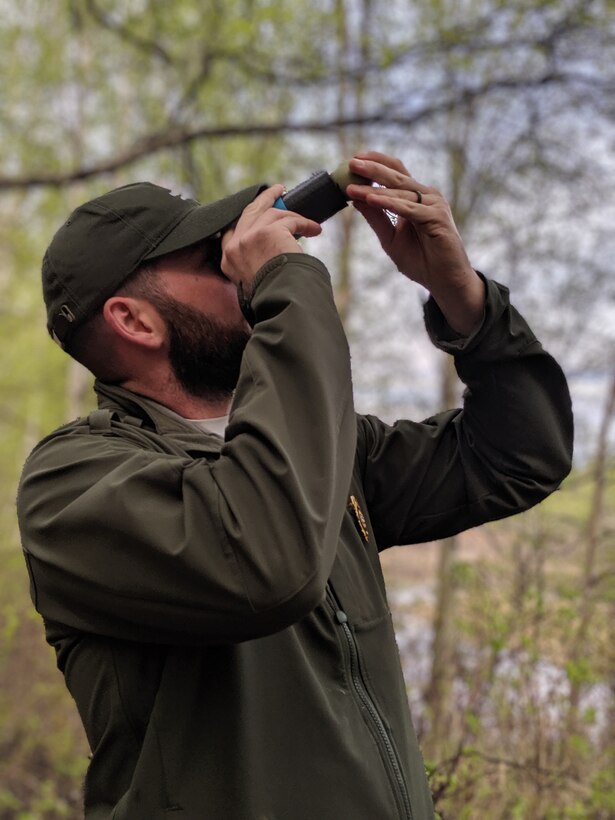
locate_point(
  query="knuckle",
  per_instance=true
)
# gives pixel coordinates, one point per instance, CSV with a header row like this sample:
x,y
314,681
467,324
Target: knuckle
x,y
242,246
260,233
400,178
227,252
251,207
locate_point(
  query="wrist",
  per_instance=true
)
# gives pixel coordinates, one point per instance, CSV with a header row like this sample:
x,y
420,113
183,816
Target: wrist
x,y
462,304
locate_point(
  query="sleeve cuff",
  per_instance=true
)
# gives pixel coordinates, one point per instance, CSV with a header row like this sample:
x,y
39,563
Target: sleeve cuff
x,y
446,339
274,264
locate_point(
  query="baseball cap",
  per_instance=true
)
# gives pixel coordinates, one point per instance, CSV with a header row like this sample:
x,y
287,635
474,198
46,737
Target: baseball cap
x,y
106,239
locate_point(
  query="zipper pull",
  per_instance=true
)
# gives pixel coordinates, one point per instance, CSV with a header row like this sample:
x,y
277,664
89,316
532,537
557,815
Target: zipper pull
x,y
341,616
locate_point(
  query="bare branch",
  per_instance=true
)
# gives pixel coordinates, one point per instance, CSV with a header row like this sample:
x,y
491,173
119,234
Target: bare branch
x,y
176,136
124,33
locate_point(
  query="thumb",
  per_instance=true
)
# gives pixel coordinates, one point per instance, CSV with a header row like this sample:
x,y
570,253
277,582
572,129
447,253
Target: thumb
x,y
378,221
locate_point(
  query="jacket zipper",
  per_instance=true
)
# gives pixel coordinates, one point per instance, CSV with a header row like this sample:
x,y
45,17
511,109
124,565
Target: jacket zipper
x,y
367,701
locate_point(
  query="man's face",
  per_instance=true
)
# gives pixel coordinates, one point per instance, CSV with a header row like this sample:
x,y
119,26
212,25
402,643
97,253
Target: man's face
x,y
207,331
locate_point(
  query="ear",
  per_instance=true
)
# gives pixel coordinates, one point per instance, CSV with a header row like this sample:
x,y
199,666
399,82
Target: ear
x,y
135,321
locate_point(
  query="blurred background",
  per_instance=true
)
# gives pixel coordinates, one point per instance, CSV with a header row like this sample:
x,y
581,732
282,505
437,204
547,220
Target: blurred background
x,y
508,108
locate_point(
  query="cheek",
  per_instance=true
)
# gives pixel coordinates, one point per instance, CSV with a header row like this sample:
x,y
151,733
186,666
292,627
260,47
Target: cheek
x,y
225,303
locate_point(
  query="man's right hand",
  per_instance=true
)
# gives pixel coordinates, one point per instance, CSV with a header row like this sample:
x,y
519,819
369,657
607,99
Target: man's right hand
x,y
260,233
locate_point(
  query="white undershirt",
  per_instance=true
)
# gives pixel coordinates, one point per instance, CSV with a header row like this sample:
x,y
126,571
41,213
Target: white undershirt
x,y
216,425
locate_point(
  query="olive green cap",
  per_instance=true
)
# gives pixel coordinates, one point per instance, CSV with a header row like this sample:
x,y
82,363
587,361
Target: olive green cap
x,y
106,239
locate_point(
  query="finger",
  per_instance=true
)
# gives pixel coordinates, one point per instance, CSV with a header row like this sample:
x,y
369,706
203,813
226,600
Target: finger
x,y
259,205
378,221
273,229
301,226
267,197
373,196
406,205
361,193
384,159
254,211
386,176
294,222
413,195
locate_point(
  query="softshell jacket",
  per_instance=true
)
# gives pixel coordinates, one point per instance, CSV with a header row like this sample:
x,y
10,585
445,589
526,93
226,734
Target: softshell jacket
x,y
217,606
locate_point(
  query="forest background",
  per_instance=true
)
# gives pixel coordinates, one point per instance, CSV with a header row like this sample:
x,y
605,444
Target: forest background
x,y
509,109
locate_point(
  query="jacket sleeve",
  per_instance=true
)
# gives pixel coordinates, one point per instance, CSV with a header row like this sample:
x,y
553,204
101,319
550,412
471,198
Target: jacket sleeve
x,y
124,541
506,450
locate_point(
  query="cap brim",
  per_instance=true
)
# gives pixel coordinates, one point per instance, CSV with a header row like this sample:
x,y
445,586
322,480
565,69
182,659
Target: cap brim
x,y
206,221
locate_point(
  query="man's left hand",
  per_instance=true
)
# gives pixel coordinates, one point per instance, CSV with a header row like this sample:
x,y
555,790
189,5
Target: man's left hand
x,y
423,242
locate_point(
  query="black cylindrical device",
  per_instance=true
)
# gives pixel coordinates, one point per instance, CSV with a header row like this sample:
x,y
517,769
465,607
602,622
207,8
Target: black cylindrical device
x,y
322,195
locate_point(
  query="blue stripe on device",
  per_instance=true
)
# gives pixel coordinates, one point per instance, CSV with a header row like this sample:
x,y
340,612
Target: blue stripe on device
x,y
279,203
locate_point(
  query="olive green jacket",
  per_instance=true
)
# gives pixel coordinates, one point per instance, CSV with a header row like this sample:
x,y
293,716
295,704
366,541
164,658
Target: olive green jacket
x,y
218,608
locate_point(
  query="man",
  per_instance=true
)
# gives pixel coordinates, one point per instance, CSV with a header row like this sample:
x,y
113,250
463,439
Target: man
x,y
216,603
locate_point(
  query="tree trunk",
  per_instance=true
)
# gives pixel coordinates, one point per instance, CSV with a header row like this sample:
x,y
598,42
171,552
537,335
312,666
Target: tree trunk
x,y
77,387
593,537
350,102
437,694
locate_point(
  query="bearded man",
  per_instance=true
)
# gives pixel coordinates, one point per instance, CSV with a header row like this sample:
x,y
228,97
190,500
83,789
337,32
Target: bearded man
x,y
204,547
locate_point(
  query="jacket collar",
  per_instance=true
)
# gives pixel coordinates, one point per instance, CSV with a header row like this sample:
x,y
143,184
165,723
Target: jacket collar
x,y
114,398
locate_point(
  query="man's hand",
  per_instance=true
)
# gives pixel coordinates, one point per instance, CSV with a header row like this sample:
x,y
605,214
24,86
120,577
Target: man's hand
x,y
260,233
424,242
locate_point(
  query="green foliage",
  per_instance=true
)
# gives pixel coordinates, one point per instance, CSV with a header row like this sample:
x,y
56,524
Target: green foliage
x,y
81,81
571,503
513,743
580,671
43,752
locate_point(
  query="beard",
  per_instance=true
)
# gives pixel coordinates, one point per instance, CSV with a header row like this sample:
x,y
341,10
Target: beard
x,y
204,353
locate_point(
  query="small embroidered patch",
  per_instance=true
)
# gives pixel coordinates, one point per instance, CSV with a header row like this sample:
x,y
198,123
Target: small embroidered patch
x,y
358,513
